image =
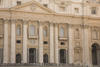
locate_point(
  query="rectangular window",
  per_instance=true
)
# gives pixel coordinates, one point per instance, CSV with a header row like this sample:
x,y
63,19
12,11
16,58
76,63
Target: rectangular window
x,y
93,10
62,43
45,5
45,42
76,10
18,41
18,3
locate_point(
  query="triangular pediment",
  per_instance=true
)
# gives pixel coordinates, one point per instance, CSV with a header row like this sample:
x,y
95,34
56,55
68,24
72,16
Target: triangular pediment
x,y
32,6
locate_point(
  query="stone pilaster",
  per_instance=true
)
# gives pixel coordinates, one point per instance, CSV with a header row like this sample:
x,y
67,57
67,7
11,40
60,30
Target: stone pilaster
x,y
56,43
71,48
13,40
86,45
40,42
51,43
5,50
25,41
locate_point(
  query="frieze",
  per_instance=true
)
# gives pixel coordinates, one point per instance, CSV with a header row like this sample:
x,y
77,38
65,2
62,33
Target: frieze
x,y
41,16
3,13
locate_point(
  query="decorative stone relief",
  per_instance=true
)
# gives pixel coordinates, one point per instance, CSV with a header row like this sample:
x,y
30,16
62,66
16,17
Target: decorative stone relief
x,y
33,6
78,55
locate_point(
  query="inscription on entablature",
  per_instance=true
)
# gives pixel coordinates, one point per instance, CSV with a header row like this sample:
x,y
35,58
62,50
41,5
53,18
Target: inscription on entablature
x,y
41,16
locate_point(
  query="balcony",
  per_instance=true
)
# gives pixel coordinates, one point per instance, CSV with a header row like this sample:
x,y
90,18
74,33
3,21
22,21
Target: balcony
x,y
62,38
33,37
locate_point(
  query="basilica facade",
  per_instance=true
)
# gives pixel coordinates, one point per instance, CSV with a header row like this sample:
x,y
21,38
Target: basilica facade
x,y
50,31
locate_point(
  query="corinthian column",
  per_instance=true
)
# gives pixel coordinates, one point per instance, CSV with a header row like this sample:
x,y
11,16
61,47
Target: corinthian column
x,y
13,41
71,48
56,43
25,41
40,42
51,44
5,52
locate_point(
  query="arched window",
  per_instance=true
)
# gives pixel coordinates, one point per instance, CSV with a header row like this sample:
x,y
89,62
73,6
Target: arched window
x,y
45,31
77,33
94,34
18,30
45,58
32,30
62,32
18,58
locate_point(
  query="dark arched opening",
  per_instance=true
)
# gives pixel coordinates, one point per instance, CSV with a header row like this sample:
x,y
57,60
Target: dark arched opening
x,y
32,55
95,52
62,56
45,58
18,58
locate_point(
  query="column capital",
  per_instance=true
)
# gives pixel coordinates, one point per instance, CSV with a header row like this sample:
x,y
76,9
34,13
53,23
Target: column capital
x,y
40,22
56,24
86,26
70,25
5,20
25,21
13,20
51,23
